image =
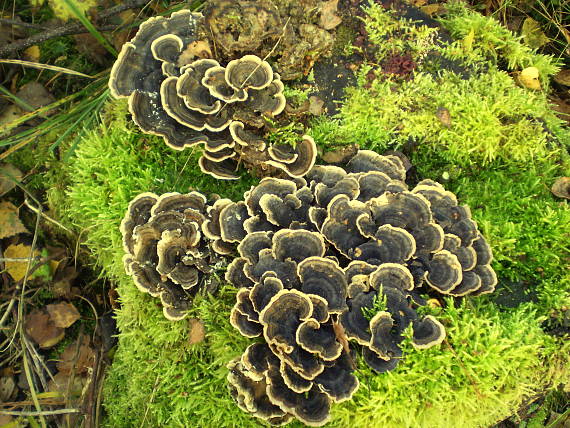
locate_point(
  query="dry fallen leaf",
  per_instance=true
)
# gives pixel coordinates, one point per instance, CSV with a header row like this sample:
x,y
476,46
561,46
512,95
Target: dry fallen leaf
x,y
444,116
17,268
562,77
529,78
316,105
431,9
63,314
532,34
561,187
329,18
79,359
197,49
10,221
197,331
32,53
42,330
340,155
9,174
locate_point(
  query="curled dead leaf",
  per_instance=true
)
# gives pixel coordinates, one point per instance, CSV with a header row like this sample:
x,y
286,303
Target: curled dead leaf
x,y
444,116
329,18
42,330
19,264
10,221
561,187
197,331
63,314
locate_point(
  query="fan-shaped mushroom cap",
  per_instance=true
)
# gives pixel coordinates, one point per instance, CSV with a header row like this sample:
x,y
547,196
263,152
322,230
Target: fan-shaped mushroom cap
x,y
262,292
304,363
282,316
338,381
467,256
383,341
367,160
170,249
244,325
470,283
224,170
378,364
212,226
318,339
286,270
488,279
293,381
235,273
320,312
444,272
324,278
428,332
297,245
252,244
248,71
189,86
355,324
306,151
405,209
179,202
392,275
138,213
345,186
282,153
273,186
358,271
390,245
372,184
231,221
215,80
244,304
483,250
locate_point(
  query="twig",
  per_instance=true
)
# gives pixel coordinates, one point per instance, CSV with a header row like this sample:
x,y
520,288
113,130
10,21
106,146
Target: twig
x,y
42,413
22,24
74,28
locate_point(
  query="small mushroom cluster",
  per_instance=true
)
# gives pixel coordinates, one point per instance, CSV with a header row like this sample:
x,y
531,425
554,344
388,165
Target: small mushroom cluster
x,y
189,100
291,295
358,239
167,251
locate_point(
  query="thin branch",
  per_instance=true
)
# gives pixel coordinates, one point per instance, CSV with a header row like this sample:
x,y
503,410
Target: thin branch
x,y
17,23
66,30
42,413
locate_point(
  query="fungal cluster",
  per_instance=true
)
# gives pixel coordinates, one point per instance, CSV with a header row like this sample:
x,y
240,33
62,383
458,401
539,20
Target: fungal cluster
x,y
329,266
175,89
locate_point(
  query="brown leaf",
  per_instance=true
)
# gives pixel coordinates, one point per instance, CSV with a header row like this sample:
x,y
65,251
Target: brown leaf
x,y
432,9
10,221
329,18
340,155
80,360
17,268
63,314
32,53
42,330
561,187
316,105
8,175
562,77
197,331
444,116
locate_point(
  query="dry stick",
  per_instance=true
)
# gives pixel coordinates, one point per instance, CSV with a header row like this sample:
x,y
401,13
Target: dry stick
x,y
17,23
74,28
42,413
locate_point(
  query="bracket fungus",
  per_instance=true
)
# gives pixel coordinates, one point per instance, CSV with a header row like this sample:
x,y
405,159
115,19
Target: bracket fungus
x,y
190,100
167,252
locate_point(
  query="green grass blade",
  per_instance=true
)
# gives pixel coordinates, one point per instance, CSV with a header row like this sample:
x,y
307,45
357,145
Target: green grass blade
x,y
72,6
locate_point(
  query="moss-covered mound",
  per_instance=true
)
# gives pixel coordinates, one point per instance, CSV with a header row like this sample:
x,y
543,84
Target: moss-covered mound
x,y
498,146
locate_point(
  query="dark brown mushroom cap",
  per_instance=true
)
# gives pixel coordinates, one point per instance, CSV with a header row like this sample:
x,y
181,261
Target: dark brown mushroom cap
x,y
306,151
247,138
286,270
282,316
325,174
320,312
256,359
383,341
138,213
355,324
283,153
470,283
367,160
311,407
251,246
405,209
444,272
297,245
268,101
166,48
244,304
372,184
338,380
212,226
293,381
427,332
262,292
389,245
304,363
429,238
249,71
145,277
224,170
358,270
483,250
319,339
235,273
250,394
345,186
467,256
324,278
392,275
215,80
283,212
340,228
488,279
171,249
269,185
174,201
378,364
189,86
231,220
244,325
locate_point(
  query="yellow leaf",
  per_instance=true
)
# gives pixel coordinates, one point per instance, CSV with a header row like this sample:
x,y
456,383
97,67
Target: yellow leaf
x,y
533,35
468,41
33,53
10,221
17,268
529,78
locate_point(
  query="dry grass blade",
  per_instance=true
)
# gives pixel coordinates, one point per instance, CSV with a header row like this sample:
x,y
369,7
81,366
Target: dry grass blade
x,y
40,66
